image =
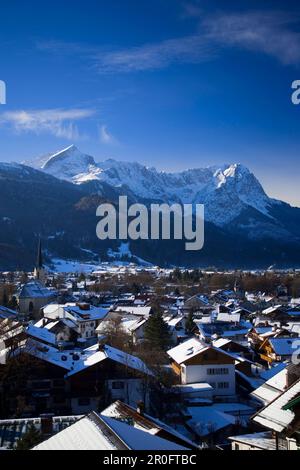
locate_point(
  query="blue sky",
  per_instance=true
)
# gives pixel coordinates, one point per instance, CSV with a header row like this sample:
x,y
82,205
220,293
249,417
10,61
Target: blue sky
x,y
169,83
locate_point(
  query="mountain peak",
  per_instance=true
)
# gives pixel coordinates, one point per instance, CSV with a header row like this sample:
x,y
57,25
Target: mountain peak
x,y
70,153
66,164
226,191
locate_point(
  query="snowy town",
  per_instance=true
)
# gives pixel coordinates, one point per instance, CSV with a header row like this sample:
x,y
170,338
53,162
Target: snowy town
x,y
143,358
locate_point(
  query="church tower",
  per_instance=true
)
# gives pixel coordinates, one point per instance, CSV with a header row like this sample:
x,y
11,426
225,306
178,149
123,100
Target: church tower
x,y
39,270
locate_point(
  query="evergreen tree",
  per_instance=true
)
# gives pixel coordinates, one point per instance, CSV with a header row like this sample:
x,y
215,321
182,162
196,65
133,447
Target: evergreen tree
x,y
157,332
189,324
81,277
177,274
31,438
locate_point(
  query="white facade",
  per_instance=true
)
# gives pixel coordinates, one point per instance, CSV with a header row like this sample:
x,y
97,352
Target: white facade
x,y
87,329
85,320
130,391
220,376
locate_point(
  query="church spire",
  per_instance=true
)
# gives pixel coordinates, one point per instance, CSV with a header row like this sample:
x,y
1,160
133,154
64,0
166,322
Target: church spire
x,y
39,271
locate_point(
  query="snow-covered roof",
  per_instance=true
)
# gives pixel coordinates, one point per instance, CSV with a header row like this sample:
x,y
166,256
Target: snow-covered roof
x,y
129,323
234,333
229,317
7,313
273,416
48,324
276,367
134,310
195,387
207,419
187,350
272,388
204,320
145,422
272,309
218,343
75,311
190,348
173,321
93,356
282,346
260,440
74,361
93,313
41,334
35,289
98,432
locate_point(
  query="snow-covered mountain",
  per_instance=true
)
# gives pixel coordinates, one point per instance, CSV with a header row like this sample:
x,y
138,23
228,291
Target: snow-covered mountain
x,y
226,191
57,201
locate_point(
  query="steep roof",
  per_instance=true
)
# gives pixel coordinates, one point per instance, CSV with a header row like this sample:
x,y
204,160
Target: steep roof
x,y
186,350
75,361
274,416
282,346
122,411
272,388
42,334
98,432
191,348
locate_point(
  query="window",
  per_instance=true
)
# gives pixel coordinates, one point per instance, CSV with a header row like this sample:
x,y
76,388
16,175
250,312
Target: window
x,y
118,385
219,371
223,385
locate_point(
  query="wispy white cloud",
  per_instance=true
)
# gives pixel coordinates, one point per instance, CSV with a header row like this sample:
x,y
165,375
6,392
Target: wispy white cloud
x,y
57,122
106,137
188,49
268,32
271,33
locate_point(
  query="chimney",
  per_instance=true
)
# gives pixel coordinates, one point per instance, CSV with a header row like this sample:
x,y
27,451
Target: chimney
x,y
140,408
84,306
